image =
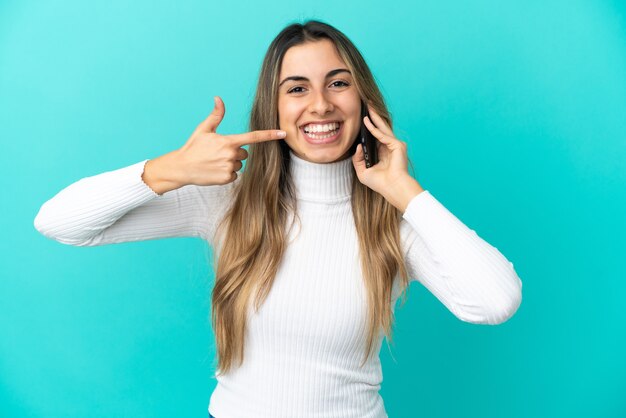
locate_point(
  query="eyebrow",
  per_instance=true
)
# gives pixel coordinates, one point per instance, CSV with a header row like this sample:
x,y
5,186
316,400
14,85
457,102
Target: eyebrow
x,y
301,78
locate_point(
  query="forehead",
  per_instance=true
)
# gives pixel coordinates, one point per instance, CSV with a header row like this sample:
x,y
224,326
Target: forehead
x,y
312,59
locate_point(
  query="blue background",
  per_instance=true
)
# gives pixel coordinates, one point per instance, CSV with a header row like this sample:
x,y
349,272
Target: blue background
x,y
515,115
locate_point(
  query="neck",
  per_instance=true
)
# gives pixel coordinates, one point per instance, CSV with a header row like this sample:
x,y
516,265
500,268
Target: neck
x,y
322,182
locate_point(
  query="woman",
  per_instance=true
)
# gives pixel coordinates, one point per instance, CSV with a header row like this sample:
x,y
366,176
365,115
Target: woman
x,y
313,249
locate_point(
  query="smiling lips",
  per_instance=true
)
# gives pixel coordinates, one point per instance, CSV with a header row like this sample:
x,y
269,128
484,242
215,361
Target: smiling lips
x,y
322,137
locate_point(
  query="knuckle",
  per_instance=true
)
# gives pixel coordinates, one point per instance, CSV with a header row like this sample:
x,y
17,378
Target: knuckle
x,y
226,177
231,154
221,142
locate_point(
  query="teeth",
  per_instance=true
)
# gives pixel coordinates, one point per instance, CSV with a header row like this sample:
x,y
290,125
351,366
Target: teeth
x,y
315,136
321,128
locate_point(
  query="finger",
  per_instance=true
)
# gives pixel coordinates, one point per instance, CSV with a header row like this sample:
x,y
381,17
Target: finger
x,y
358,159
211,123
379,121
382,137
242,154
257,136
358,152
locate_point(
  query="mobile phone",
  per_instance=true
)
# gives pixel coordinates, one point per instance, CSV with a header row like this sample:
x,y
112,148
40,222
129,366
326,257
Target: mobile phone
x,y
368,141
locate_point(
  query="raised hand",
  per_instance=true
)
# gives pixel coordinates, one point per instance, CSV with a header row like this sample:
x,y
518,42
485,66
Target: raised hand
x,y
390,176
209,158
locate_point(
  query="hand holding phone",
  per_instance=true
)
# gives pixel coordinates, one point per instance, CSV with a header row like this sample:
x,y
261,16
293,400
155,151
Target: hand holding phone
x,y
368,141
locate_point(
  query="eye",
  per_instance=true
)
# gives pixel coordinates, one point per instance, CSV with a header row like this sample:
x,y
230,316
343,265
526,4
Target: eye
x,y
342,84
293,90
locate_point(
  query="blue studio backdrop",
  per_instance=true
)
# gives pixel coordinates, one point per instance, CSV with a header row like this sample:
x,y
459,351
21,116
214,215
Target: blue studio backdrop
x,y
515,116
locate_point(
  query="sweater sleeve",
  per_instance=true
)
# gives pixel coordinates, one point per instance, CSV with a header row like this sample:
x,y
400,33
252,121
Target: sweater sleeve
x,y
467,274
117,206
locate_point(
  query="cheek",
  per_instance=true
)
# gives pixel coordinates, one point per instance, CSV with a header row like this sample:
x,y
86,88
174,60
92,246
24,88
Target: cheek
x,y
289,114
285,113
352,109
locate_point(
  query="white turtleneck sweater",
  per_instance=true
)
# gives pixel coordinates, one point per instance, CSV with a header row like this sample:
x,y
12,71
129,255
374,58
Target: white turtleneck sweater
x,y
304,346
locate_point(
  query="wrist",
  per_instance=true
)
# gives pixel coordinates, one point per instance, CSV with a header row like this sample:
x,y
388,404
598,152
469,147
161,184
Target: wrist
x,y
162,174
401,192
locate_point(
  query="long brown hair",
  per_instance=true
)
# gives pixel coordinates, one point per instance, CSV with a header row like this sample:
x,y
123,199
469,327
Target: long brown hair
x,y
255,237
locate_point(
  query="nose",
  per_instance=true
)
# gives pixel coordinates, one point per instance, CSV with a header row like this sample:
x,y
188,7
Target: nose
x,y
320,104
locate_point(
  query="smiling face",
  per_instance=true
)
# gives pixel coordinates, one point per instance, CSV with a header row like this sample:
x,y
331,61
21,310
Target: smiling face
x,y
316,86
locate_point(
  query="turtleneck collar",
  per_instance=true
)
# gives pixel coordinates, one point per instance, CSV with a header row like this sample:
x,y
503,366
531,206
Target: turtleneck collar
x,y
321,182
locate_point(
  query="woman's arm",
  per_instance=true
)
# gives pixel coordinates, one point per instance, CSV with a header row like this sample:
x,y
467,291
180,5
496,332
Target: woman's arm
x,y
118,206
467,274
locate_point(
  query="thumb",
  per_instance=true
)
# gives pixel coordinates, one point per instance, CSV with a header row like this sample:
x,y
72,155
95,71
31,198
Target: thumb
x,y
211,123
358,159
